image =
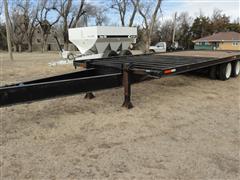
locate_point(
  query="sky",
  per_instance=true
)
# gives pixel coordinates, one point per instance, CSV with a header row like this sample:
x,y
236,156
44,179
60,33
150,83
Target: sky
x,y
169,7
193,7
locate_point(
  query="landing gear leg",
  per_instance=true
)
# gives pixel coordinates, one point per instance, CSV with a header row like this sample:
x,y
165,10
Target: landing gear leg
x,y
127,88
89,95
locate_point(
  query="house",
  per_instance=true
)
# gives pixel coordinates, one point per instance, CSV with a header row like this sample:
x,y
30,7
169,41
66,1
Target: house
x,y
219,41
51,44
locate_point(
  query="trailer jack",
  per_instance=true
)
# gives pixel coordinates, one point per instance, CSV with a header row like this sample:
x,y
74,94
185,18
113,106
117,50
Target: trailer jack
x,y
127,87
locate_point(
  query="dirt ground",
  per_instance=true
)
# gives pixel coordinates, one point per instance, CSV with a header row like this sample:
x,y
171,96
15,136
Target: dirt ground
x,y
183,127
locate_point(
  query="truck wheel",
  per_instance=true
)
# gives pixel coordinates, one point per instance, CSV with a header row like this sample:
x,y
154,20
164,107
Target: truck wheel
x,y
109,53
125,52
235,68
152,51
225,71
213,72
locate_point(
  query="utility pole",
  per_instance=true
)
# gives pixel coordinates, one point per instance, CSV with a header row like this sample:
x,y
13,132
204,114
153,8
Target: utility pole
x,y
8,29
174,27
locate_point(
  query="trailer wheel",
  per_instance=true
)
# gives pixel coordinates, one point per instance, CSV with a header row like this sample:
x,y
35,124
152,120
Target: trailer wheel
x,y
225,71
235,68
71,57
125,52
109,53
213,72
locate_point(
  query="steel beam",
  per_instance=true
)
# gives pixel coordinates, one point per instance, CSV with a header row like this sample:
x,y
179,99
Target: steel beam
x,y
43,90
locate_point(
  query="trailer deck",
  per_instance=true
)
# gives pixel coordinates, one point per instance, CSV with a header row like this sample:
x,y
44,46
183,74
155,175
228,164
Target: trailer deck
x,y
159,65
107,73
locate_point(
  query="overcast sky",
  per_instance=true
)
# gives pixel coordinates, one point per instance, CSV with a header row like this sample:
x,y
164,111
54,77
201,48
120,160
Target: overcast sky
x,y
193,7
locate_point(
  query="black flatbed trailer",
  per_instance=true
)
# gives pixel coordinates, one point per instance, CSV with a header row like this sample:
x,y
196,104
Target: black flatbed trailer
x,y
113,72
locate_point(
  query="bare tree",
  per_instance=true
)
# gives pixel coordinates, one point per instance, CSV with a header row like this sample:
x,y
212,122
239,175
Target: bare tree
x,y
8,29
29,21
149,15
135,8
166,31
100,17
123,7
183,33
70,15
219,21
18,30
1,8
45,7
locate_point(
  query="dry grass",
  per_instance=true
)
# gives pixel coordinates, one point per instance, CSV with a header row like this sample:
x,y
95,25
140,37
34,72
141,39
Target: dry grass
x,y
184,127
28,66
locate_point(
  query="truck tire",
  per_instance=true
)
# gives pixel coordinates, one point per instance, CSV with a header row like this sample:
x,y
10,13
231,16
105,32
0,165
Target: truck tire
x,y
125,52
213,72
225,71
235,68
109,53
151,51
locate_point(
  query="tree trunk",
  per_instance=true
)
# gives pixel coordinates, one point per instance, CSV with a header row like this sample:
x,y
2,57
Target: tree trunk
x,y
65,35
42,47
44,43
20,48
147,39
15,48
66,46
147,45
29,47
8,30
45,46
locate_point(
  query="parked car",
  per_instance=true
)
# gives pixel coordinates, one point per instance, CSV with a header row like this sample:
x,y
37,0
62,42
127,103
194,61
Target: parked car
x,y
159,47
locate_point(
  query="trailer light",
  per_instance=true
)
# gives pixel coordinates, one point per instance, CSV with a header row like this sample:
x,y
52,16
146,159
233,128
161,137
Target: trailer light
x,y
83,65
169,71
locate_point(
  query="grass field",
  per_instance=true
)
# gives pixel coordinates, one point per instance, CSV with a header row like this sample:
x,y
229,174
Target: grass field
x,y
183,127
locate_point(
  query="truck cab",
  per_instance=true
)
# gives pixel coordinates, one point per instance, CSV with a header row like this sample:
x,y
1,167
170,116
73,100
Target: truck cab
x,y
159,47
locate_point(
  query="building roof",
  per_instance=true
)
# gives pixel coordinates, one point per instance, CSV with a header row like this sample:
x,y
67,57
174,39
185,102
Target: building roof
x,y
220,37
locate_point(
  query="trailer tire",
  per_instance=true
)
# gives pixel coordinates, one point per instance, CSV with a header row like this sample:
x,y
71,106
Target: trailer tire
x,y
71,57
235,68
213,72
109,53
225,71
125,52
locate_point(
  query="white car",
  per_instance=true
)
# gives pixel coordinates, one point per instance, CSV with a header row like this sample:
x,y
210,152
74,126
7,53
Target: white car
x,y
159,47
